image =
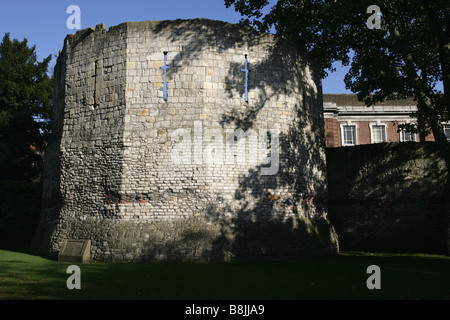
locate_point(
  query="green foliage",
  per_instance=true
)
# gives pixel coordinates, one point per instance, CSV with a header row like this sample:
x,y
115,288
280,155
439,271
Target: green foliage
x,y
25,109
406,57
19,208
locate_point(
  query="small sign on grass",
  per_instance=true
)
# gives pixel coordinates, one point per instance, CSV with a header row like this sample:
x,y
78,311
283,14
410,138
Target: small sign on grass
x,y
75,251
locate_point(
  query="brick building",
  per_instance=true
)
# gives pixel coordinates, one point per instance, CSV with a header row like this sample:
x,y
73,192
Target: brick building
x,y
350,122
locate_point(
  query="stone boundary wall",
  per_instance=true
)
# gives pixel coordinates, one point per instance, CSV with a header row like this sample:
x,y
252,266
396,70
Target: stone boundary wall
x,y
385,197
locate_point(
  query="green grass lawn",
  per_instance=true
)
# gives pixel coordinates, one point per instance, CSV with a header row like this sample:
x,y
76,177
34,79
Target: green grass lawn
x,y
24,276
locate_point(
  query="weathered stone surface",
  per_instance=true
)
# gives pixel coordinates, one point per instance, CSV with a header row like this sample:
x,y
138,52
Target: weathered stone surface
x,y
110,173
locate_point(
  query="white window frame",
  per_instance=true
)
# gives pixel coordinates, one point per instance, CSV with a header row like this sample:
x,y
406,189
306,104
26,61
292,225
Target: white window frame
x,y
443,128
402,131
378,124
349,124
402,139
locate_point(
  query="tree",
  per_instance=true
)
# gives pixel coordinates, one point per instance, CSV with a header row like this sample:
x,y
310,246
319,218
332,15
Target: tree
x,y
401,51
25,108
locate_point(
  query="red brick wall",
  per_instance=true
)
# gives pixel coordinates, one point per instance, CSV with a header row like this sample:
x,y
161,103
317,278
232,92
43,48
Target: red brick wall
x,y
393,135
429,137
363,132
332,133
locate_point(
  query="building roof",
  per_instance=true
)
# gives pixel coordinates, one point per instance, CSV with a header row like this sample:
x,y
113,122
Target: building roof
x,y
347,105
352,100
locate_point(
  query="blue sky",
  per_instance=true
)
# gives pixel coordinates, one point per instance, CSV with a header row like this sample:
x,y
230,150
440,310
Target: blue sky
x,y
43,22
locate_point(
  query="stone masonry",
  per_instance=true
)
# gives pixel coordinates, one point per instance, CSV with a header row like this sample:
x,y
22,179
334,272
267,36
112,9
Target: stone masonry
x,y
201,175
386,197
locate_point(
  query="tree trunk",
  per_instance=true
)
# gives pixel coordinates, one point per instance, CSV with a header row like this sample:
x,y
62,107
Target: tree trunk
x,y
427,107
442,238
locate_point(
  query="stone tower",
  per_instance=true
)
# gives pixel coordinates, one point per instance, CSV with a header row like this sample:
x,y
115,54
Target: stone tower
x,y
185,140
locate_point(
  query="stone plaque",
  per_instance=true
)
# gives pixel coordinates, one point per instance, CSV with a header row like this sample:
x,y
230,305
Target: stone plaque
x,y
75,251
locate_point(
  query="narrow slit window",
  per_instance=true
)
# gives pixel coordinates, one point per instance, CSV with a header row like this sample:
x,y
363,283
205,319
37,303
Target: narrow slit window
x,y
165,67
95,82
246,78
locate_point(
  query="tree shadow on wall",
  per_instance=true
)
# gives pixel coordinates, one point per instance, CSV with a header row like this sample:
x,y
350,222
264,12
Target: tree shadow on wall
x,y
284,214
385,197
281,215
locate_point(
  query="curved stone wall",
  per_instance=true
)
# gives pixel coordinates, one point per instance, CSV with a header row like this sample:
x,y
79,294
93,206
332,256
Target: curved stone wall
x,y
202,162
